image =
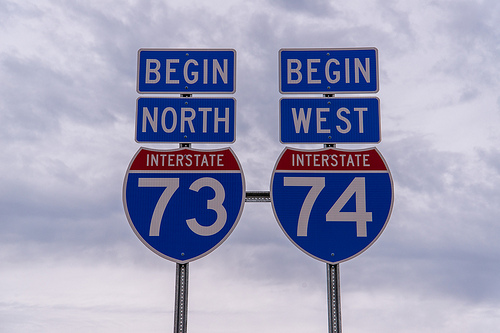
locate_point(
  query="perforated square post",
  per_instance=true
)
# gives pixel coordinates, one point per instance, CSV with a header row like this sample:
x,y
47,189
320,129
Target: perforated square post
x,y
334,317
181,298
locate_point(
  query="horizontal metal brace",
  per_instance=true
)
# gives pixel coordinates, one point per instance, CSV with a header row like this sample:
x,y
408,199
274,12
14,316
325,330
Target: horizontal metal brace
x,y
258,196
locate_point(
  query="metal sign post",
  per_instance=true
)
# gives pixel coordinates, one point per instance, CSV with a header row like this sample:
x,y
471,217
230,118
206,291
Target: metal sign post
x,y
333,292
181,298
181,288
333,287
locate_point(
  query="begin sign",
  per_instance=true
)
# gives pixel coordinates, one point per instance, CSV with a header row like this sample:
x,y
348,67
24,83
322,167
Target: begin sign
x,y
186,71
328,71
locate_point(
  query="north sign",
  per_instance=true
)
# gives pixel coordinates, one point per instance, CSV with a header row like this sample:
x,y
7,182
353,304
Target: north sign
x,y
332,203
329,120
188,119
186,71
183,203
328,71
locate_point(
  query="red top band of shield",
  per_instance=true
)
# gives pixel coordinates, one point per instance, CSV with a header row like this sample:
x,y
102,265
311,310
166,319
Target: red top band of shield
x,y
185,159
330,159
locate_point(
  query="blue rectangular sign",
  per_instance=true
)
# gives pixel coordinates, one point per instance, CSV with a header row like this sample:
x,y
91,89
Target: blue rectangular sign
x,y
330,120
188,119
328,71
186,71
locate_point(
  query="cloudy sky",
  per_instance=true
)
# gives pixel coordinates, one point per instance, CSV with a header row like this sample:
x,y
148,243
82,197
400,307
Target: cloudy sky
x,y
69,260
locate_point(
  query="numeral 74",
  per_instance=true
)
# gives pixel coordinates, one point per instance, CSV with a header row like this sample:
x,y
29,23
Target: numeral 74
x,y
356,187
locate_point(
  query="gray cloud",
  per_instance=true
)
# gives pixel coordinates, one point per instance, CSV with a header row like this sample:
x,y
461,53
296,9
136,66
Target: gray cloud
x,y
67,111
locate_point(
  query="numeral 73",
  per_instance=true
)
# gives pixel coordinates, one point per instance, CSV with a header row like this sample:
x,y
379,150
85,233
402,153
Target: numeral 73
x,y
356,187
171,185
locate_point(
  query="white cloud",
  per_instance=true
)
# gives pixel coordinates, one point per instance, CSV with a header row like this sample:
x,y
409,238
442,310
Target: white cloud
x,y
67,111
